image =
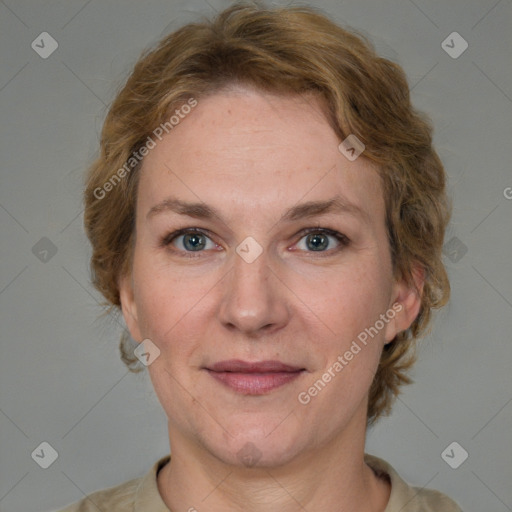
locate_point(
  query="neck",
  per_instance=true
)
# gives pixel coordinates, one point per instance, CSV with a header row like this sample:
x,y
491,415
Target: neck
x,y
328,477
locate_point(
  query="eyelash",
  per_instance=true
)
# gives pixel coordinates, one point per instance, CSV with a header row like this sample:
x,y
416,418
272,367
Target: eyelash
x,y
340,237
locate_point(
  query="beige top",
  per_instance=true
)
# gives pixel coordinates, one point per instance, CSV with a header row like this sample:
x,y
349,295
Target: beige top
x,y
141,494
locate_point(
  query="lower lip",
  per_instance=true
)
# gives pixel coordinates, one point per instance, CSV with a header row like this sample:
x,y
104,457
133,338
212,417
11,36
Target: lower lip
x,y
254,383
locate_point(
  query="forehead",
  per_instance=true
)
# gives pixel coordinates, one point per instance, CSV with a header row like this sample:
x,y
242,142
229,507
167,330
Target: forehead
x,y
247,150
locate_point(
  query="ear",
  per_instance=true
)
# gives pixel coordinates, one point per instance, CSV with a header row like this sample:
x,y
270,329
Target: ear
x,y
128,306
406,303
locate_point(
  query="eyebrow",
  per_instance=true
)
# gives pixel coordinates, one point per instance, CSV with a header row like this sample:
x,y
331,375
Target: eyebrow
x,y
337,204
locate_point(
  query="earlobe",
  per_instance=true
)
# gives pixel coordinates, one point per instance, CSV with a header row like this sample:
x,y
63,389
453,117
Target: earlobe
x,y
128,306
406,303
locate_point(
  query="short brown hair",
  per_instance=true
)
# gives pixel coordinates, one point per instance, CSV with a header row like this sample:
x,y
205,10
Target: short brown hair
x,y
292,51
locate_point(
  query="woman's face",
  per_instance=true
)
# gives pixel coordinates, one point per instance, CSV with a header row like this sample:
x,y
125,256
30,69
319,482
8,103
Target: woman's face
x,y
248,309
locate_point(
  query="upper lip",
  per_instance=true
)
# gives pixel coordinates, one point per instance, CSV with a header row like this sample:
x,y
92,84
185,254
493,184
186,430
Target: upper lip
x,y
239,366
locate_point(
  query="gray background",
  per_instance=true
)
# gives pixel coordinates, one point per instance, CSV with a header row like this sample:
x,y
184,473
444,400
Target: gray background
x,y
61,377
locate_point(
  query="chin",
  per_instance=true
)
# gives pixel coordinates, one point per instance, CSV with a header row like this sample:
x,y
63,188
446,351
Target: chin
x,y
254,448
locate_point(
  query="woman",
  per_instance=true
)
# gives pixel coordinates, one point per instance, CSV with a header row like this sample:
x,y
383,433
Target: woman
x,y
268,212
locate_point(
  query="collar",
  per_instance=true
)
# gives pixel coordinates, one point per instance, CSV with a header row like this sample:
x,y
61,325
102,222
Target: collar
x,y
148,499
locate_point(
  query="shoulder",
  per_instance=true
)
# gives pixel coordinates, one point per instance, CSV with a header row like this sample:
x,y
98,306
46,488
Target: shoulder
x,y
429,500
405,497
118,498
138,494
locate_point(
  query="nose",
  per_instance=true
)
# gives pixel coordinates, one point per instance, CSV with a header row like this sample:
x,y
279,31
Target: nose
x,y
254,298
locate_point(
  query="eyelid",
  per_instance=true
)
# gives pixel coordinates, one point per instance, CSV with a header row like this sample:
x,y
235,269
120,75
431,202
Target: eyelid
x,y
327,231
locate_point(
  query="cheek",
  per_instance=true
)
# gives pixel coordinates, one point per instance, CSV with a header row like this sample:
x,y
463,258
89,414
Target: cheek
x,y
164,298
351,300
349,307
176,312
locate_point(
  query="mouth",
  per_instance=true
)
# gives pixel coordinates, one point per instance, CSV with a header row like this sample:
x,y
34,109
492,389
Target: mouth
x,y
256,378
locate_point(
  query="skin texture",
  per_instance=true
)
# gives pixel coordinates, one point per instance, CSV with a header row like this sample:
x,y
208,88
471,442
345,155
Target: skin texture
x,y
251,156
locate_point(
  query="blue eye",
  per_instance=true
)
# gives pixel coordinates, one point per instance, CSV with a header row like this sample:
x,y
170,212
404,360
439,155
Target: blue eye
x,y
193,240
317,239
